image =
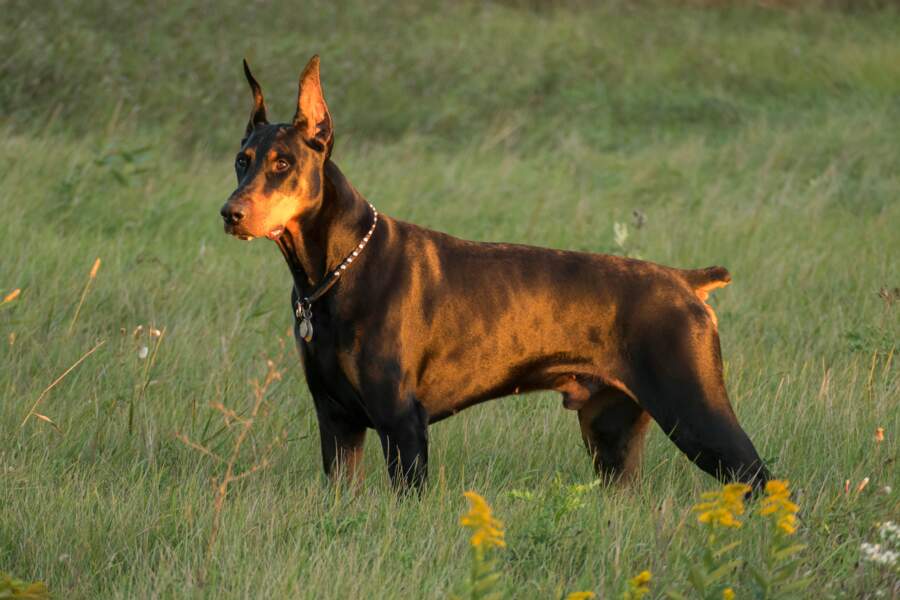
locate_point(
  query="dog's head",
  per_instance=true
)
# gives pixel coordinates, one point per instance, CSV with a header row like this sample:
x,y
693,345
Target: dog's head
x,y
279,166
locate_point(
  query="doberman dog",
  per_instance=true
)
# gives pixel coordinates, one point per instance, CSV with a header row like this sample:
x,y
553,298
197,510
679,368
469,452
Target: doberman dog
x,y
399,326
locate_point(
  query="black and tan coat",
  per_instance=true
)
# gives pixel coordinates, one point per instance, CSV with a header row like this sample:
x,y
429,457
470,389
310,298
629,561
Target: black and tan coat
x,y
422,325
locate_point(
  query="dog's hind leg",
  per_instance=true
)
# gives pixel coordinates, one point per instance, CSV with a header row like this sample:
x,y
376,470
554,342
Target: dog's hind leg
x,y
708,434
613,427
680,383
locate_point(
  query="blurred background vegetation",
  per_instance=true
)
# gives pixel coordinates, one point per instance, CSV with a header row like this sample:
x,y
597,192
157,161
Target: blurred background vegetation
x,y
616,72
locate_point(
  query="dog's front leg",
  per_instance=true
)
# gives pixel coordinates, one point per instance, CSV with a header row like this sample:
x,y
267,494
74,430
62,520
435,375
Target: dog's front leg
x,y
404,441
342,446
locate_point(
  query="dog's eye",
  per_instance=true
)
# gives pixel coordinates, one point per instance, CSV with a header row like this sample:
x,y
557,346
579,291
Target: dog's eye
x,y
241,162
281,164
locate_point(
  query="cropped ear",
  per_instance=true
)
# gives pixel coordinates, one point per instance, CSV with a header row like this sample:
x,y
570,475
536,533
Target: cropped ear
x,y
258,114
312,119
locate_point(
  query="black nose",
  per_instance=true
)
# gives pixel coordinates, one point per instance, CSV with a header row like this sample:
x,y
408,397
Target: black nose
x,y
232,214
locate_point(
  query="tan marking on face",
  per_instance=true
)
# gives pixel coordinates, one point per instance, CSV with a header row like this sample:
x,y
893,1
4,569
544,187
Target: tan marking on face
x,y
268,213
281,209
250,154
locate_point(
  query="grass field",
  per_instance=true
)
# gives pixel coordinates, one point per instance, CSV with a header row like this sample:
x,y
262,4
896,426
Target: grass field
x,y
764,140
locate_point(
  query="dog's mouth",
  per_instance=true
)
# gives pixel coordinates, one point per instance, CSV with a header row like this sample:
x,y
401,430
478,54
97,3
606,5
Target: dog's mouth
x,y
241,234
238,233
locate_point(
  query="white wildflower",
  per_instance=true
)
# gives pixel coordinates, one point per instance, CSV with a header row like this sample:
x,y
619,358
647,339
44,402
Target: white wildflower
x,y
878,554
889,532
620,234
143,351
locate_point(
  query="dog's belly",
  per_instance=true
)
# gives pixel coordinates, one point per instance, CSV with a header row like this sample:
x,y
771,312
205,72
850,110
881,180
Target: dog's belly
x,y
575,379
533,345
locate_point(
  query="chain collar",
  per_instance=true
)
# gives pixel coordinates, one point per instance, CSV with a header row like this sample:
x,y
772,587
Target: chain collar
x,y
303,311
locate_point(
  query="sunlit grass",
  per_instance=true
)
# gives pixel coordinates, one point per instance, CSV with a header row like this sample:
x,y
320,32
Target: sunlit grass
x,y
728,558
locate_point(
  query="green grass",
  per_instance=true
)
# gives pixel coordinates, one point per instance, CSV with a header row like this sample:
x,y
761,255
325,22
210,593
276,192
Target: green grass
x,y
763,140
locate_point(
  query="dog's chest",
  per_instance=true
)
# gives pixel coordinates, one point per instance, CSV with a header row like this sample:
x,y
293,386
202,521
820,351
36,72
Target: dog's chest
x,y
323,359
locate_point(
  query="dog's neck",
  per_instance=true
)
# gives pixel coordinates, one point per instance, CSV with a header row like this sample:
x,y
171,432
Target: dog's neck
x,y
315,244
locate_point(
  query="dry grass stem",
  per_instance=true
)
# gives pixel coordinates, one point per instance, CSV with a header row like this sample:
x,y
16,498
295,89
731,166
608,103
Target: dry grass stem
x,y
243,426
87,286
55,382
11,296
145,381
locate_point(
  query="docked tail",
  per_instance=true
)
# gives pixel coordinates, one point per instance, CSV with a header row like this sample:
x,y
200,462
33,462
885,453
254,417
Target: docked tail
x,y
703,281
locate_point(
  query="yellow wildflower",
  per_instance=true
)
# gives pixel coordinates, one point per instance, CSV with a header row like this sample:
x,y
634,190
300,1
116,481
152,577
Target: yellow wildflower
x,y
733,495
788,524
486,530
638,586
721,506
728,594
581,596
778,487
11,296
778,505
